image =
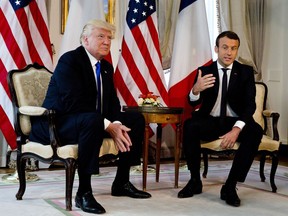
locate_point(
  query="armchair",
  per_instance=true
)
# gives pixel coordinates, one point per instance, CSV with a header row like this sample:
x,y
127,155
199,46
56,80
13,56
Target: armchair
x,y
269,145
28,88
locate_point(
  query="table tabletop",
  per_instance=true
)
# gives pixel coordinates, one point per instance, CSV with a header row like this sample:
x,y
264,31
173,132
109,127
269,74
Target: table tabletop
x,y
153,109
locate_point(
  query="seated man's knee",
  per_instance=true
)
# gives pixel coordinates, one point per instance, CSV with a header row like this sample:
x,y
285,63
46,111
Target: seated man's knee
x,y
91,120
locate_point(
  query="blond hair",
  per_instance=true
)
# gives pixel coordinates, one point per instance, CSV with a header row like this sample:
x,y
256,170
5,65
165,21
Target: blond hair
x,y
92,24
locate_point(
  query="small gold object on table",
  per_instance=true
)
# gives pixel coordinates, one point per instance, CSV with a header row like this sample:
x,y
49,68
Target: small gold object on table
x,y
159,115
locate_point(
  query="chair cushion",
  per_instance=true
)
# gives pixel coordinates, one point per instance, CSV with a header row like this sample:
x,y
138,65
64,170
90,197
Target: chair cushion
x,y
267,144
108,147
67,151
45,151
215,145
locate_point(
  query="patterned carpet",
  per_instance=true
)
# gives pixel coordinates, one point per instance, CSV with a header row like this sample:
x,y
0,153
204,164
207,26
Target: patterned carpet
x,y
46,196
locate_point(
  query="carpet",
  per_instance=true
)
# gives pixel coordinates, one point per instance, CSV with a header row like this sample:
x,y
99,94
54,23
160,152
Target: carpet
x,y
47,195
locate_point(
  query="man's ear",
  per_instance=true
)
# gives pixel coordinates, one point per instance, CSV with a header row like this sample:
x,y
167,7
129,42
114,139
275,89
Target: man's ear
x,y
216,49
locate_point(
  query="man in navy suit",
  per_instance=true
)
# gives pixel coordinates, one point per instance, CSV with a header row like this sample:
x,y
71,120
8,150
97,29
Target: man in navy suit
x,y
83,119
235,124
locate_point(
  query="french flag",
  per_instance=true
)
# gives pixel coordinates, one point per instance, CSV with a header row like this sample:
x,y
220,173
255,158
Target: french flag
x,y
191,50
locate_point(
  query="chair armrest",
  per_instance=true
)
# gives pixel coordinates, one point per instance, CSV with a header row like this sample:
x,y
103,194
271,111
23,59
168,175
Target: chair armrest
x,y
32,110
41,111
275,117
269,113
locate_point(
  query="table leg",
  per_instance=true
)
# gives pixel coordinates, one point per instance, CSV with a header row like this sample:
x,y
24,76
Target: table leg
x,y
158,150
177,153
145,155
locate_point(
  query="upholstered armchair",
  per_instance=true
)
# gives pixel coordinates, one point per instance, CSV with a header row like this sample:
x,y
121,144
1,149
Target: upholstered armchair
x,y
269,144
28,88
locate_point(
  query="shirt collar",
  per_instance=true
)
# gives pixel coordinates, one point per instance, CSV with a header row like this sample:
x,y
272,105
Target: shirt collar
x,y
220,66
92,59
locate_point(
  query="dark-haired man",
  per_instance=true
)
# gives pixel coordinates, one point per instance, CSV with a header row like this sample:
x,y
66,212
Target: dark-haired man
x,y
233,121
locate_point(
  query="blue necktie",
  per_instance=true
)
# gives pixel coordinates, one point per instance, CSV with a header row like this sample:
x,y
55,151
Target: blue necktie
x,y
98,72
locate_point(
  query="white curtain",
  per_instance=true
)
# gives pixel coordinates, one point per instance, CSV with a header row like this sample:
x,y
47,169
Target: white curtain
x,y
246,18
167,18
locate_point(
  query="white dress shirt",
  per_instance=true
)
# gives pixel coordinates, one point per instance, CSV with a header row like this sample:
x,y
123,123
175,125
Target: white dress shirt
x,y
93,61
216,109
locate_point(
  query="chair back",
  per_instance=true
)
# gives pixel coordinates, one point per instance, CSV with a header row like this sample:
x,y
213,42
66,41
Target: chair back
x,y
28,87
260,99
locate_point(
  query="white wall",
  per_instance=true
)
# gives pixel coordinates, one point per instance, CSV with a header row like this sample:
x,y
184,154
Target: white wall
x,y
275,74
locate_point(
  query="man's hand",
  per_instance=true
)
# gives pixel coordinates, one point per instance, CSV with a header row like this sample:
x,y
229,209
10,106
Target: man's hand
x,y
120,136
230,138
203,83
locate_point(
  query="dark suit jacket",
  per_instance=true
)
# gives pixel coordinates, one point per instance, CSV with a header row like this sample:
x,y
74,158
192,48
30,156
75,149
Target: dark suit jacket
x,y
72,88
241,91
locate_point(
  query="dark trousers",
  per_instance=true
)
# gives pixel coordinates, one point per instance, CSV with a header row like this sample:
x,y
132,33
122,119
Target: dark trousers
x,y
210,128
87,129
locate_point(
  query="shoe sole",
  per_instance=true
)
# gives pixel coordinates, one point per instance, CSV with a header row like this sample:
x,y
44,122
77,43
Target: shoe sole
x,y
195,193
134,197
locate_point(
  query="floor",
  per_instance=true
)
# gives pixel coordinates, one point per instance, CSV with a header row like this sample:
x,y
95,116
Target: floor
x,y
283,160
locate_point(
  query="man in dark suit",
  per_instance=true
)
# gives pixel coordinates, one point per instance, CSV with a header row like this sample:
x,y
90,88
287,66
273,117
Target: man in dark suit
x,y
81,118
231,122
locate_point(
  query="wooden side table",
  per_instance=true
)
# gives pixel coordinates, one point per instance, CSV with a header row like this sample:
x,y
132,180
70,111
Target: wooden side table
x,y
159,115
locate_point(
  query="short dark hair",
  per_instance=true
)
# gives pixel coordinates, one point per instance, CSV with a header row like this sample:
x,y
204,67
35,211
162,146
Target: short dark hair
x,y
229,34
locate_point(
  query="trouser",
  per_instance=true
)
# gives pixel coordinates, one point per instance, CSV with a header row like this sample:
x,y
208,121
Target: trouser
x,y
210,128
87,130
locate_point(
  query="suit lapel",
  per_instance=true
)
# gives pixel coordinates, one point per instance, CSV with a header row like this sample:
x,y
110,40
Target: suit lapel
x,y
233,77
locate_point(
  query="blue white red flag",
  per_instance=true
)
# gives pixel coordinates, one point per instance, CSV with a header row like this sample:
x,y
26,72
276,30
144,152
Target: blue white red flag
x,y
191,50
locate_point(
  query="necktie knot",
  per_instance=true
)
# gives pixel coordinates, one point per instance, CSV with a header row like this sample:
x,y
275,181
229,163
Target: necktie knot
x,y
224,70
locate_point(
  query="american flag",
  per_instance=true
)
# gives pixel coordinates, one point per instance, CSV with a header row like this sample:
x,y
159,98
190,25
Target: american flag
x,y
139,68
24,39
191,50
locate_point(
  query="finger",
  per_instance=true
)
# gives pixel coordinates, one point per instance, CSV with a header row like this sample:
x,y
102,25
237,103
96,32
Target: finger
x,y
127,138
199,74
120,147
124,128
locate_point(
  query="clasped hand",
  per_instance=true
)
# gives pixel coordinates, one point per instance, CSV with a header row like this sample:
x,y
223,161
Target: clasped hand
x,y
207,81
119,133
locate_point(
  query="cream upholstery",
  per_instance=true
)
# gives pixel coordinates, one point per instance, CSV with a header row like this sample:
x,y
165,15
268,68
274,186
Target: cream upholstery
x,y
268,146
28,89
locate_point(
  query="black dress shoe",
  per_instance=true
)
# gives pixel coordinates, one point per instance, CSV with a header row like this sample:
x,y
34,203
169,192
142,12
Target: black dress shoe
x,y
88,204
128,190
193,187
229,194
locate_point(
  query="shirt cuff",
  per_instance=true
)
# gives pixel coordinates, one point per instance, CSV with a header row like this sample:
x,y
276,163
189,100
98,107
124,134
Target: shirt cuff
x,y
193,97
107,123
239,124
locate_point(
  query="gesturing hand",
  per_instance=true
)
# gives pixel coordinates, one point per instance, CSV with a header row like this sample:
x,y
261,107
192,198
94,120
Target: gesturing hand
x,y
203,83
120,136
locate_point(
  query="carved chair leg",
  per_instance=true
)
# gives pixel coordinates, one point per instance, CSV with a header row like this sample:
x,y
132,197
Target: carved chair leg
x,y
70,165
21,162
273,171
261,168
